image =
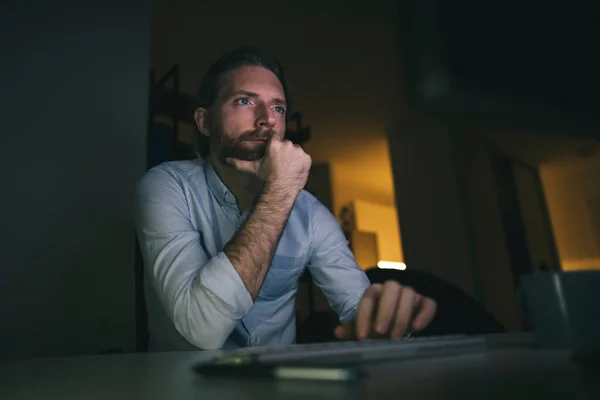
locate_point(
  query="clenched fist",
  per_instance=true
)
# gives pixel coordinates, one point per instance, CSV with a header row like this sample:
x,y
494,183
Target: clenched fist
x,y
284,167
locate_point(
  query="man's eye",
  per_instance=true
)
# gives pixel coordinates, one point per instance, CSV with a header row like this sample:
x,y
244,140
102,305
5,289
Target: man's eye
x,y
280,110
243,101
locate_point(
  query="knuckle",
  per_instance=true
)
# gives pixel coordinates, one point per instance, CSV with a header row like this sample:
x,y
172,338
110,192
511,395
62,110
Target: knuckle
x,y
374,289
392,284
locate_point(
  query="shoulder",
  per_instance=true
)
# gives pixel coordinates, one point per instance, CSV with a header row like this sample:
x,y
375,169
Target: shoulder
x,y
169,176
176,169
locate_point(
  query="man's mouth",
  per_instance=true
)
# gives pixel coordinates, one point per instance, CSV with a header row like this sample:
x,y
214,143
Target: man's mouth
x,y
258,140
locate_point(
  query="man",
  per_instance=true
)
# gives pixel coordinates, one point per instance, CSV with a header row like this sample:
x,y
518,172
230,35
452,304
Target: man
x,y
225,238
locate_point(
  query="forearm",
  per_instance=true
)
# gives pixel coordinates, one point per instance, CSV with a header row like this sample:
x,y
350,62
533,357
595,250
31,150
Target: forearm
x,y
251,250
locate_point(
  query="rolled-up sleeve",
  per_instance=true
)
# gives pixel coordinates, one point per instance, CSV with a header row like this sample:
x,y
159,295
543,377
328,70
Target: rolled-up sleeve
x,y
204,296
333,267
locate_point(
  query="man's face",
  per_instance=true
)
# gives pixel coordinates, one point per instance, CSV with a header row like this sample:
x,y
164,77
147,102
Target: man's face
x,y
250,108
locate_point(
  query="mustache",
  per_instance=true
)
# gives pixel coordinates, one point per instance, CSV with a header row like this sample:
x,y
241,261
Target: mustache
x,y
258,135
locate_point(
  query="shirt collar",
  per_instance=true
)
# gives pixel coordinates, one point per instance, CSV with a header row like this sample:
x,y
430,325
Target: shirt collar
x,y
224,197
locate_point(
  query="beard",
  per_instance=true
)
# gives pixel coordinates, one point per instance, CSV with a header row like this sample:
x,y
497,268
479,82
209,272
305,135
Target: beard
x,y
225,145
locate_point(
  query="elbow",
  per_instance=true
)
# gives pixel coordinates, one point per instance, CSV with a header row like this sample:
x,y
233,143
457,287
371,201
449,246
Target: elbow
x,y
202,324
205,337
206,320
208,341
211,346
214,343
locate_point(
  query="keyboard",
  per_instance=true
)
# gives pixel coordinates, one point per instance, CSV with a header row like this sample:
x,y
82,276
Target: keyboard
x,y
350,351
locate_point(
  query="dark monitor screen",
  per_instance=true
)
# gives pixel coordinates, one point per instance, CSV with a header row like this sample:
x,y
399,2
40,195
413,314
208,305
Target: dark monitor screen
x,y
525,62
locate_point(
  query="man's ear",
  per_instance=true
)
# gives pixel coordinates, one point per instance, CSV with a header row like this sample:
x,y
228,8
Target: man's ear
x,y
201,118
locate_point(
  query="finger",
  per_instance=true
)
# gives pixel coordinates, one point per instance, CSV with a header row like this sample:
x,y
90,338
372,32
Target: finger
x,y
272,143
417,300
404,314
386,308
345,332
366,310
275,140
243,165
427,310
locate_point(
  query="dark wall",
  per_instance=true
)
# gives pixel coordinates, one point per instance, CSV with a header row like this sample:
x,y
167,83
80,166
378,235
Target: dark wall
x,y
72,145
430,202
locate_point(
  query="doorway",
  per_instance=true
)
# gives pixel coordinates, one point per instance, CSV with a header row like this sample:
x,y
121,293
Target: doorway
x,y
525,220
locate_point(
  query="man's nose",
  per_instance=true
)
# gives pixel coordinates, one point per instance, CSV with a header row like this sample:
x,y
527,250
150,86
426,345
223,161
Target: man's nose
x,y
266,116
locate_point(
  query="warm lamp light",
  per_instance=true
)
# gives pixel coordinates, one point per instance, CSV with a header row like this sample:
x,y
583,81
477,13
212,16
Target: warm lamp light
x,y
391,265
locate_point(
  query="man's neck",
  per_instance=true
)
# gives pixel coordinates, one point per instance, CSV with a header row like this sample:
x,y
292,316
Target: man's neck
x,y
244,187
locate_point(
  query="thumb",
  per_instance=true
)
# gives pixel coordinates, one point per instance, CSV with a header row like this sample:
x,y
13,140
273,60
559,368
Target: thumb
x,y
243,165
345,332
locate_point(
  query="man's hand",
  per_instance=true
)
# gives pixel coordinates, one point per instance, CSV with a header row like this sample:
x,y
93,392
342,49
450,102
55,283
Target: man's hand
x,y
284,170
284,167
388,310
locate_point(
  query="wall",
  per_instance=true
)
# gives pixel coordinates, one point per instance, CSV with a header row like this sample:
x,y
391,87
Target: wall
x,y
430,204
536,218
492,273
74,107
382,221
361,170
572,191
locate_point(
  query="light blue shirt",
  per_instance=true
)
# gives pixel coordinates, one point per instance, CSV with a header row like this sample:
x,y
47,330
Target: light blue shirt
x,y
195,297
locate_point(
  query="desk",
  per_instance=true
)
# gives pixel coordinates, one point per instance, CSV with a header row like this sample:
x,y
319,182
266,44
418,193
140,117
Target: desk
x,y
501,373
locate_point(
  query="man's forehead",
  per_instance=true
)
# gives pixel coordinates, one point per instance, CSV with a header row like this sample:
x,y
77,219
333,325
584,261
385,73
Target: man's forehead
x,y
254,79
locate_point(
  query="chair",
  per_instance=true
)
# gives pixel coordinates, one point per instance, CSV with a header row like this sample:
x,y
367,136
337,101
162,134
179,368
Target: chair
x,y
141,315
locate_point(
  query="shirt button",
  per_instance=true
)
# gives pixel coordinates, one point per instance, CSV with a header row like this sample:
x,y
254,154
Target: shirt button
x,y
229,198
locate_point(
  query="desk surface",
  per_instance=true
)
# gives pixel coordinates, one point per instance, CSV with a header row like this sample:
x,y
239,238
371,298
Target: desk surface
x,y
500,373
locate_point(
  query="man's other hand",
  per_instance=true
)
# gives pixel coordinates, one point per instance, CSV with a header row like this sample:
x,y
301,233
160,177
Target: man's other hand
x,y
388,310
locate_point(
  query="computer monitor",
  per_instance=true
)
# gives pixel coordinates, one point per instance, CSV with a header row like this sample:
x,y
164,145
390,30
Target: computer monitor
x,y
531,64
